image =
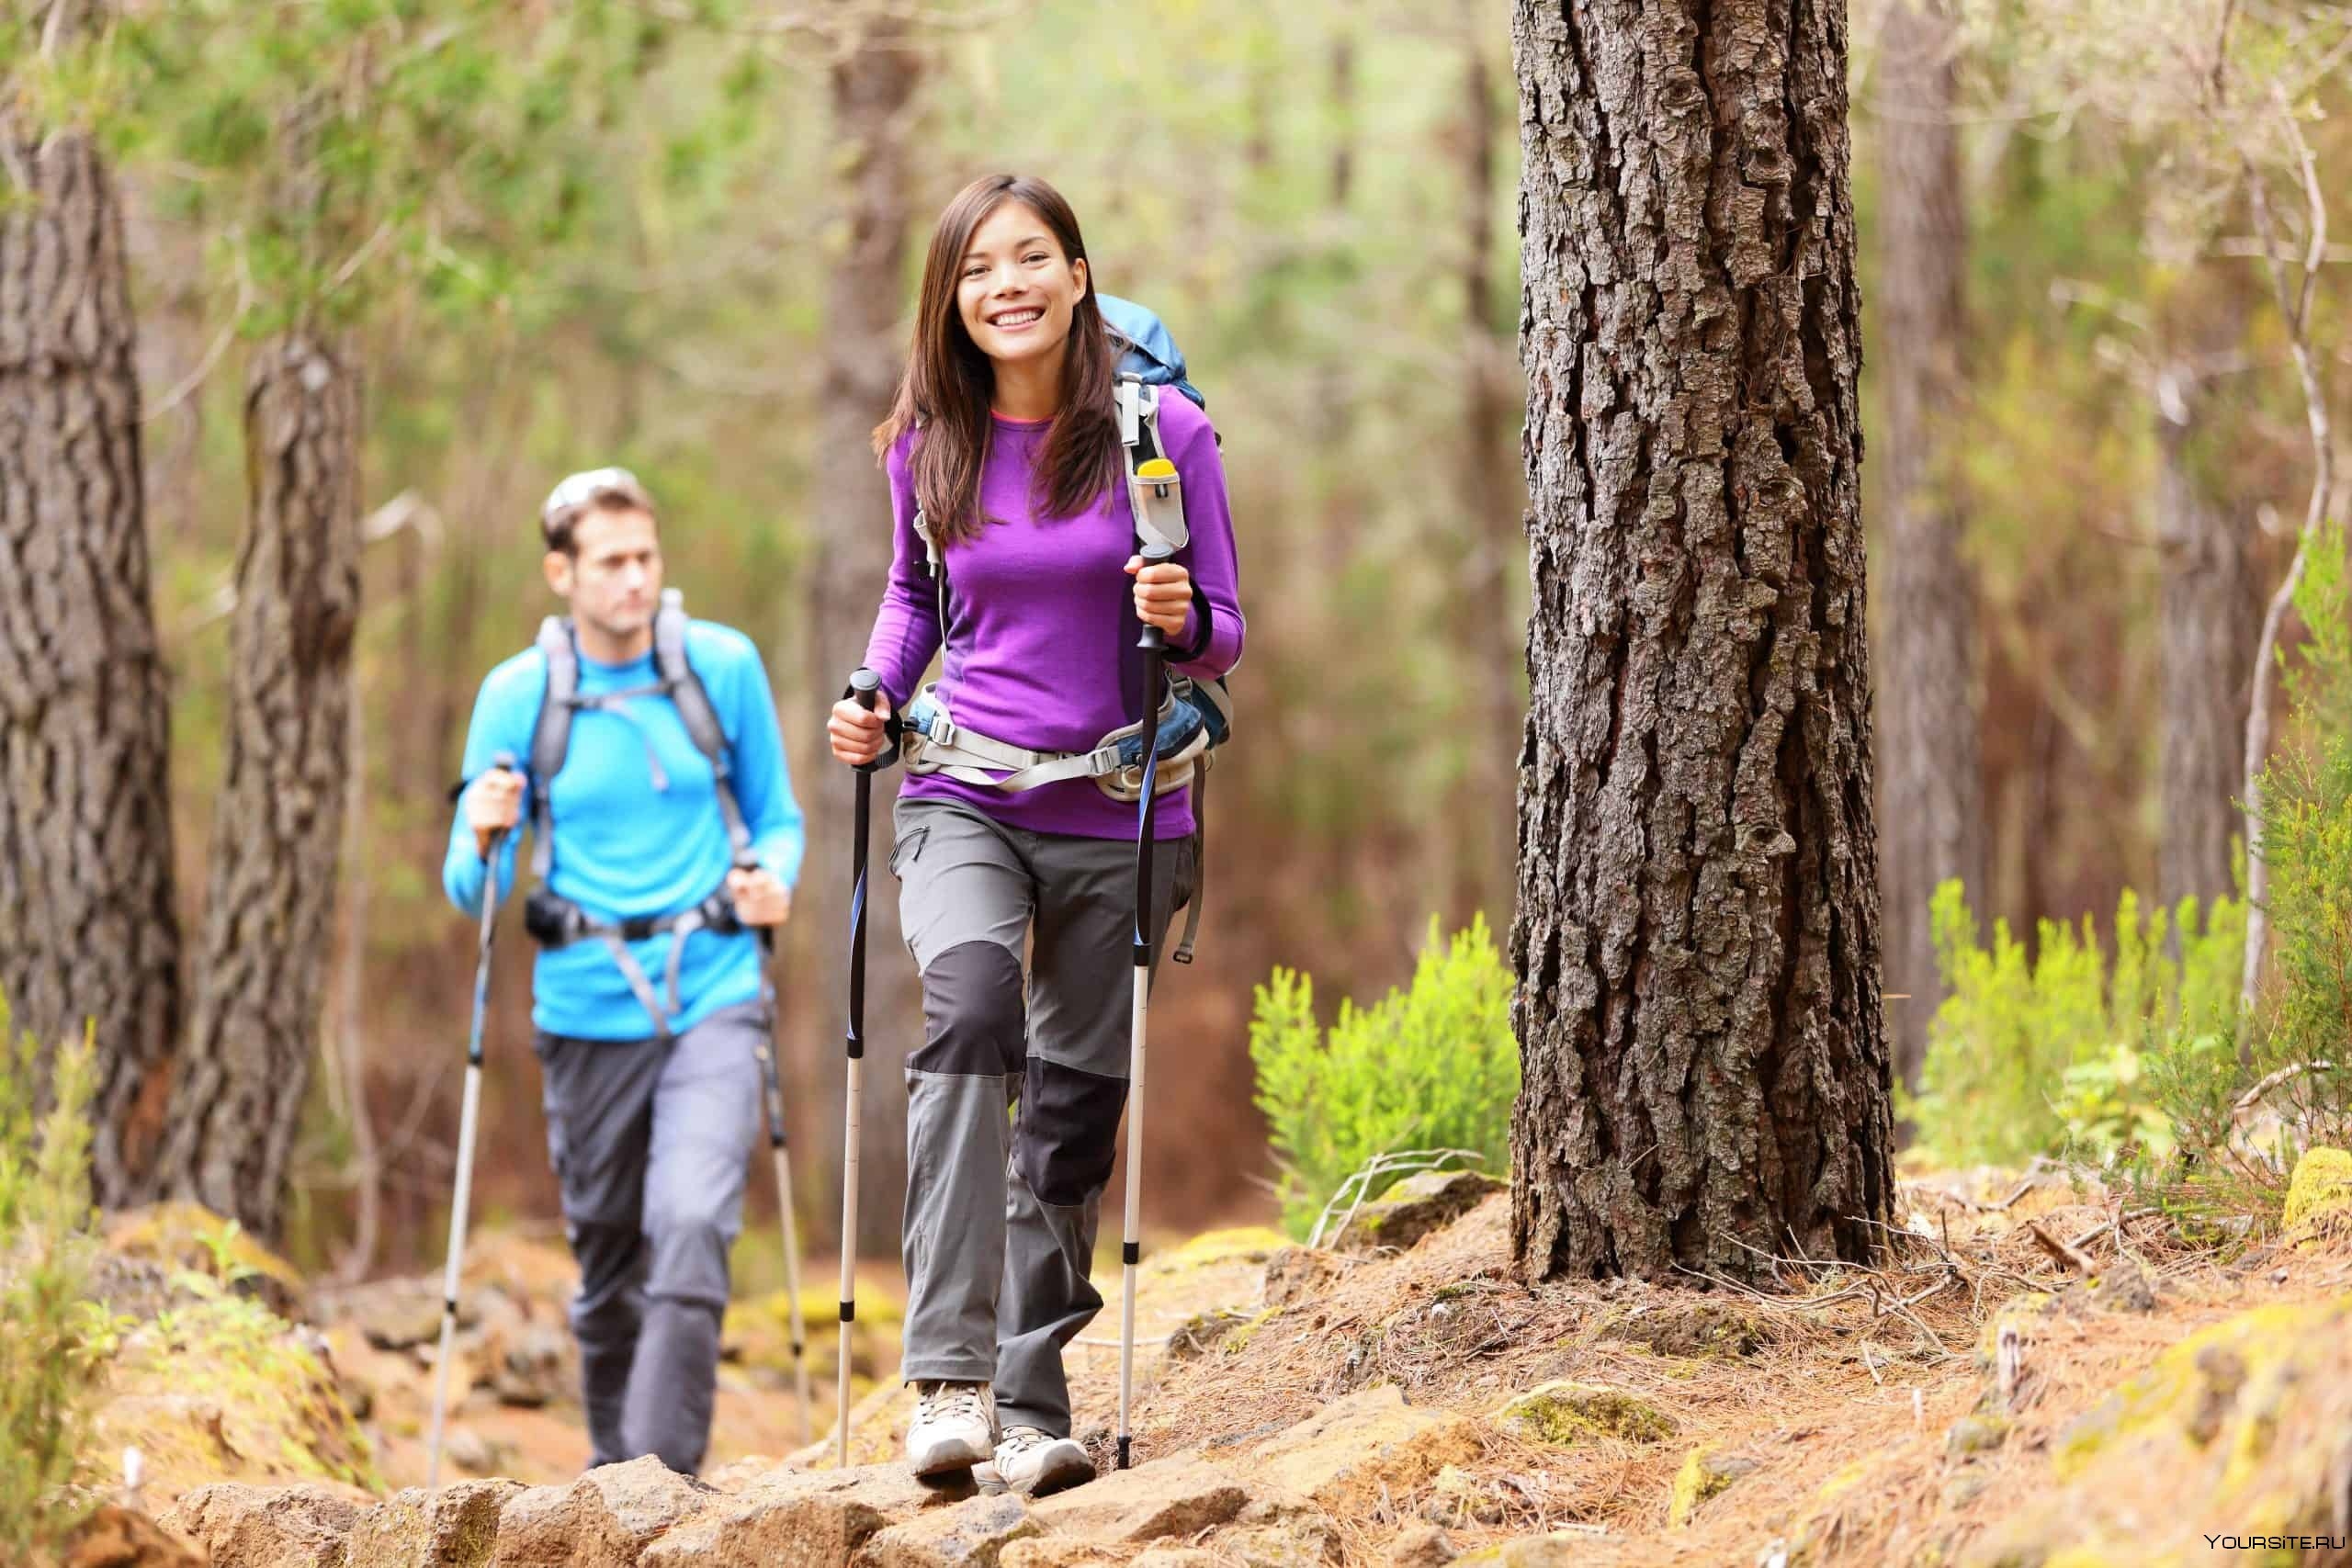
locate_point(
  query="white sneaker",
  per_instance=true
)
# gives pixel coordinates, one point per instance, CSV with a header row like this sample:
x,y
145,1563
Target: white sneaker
x,y
955,1427
1033,1462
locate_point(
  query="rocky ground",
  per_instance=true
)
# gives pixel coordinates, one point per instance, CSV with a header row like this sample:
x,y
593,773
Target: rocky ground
x,y
2038,1375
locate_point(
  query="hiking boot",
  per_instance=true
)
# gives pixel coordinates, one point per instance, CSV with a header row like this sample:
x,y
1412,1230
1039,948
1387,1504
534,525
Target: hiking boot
x,y
954,1428
1034,1462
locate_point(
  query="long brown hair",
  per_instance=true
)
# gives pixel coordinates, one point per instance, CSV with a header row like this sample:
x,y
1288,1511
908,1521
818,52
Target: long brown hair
x,y
948,383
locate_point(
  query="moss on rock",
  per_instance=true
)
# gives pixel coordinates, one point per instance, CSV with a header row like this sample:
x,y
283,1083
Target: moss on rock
x,y
1566,1414
1707,1472
2319,1199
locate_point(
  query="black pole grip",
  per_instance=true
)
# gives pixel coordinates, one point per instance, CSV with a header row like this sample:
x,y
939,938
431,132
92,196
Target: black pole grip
x,y
1153,640
867,687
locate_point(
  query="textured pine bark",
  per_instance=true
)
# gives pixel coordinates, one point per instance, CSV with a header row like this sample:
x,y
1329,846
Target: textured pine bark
x,y
1697,938
2206,654
875,155
1930,783
278,827
88,933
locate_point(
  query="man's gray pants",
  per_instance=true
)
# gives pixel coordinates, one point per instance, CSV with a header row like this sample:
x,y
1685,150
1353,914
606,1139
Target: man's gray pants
x,y
650,1140
1002,1211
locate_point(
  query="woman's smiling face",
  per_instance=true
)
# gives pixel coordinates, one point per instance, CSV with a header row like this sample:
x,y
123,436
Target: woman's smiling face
x,y
1016,290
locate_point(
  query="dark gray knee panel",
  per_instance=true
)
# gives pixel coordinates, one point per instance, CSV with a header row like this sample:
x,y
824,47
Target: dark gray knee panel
x,y
975,1021
1068,1133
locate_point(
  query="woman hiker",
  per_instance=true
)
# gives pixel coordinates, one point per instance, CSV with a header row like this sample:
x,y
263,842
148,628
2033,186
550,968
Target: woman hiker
x,y
1005,444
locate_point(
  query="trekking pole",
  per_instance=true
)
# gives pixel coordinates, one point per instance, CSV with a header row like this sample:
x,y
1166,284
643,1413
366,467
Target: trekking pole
x,y
772,1092
866,685
466,1119
1155,648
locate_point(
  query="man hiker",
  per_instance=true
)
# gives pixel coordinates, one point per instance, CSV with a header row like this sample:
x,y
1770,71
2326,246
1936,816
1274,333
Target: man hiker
x,y
644,750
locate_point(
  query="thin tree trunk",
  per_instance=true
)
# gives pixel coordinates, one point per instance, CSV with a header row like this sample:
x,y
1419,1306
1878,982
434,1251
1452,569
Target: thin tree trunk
x,y
1493,508
2206,634
873,90
1930,783
278,834
1705,1079
88,932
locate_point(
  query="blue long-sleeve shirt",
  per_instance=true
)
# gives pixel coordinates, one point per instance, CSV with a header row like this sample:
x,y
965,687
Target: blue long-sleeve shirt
x,y
625,848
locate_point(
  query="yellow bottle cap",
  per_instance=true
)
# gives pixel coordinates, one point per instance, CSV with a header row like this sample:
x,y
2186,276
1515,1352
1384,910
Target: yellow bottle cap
x,y
1157,469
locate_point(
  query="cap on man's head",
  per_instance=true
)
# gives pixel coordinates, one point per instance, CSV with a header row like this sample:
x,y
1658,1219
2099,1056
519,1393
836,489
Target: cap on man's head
x,y
579,492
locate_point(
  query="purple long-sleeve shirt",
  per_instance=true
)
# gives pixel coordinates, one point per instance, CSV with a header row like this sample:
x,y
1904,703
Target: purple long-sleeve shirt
x,y
1042,653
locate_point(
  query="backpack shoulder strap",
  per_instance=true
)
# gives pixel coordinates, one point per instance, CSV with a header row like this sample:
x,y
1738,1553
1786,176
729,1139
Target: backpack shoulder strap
x,y
551,736
695,710
1138,403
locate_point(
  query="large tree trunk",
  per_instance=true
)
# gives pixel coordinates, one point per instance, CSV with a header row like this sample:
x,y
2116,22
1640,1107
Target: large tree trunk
x,y
1705,1081
1930,784
88,933
873,92
2208,634
278,834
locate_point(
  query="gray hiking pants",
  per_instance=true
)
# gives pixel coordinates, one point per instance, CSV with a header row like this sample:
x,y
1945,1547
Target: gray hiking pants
x,y
650,1140
1002,1211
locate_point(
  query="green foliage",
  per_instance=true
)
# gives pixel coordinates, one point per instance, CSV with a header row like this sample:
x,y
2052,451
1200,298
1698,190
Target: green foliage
x,y
2307,837
53,1339
1432,1066
2071,1046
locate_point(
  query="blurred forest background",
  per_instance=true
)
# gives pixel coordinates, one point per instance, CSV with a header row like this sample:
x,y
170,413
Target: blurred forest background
x,y
682,235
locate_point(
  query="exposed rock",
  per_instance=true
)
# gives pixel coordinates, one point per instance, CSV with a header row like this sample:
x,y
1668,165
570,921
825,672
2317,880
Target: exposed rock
x,y
536,1364
1707,1472
2248,1419
192,1237
1964,1486
1207,1332
115,1536
1973,1434
802,1519
1566,1413
604,1519
736,1474
1179,1497
2123,1286
224,1391
1687,1329
1344,1455
469,1451
2319,1199
1422,1546
1296,1273
758,1335
1057,1551
1458,1501
1239,1244
972,1534
267,1526
1412,1209
1300,1541
454,1528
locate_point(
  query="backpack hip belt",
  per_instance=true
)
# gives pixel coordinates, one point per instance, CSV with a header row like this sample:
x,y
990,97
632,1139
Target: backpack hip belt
x,y
556,922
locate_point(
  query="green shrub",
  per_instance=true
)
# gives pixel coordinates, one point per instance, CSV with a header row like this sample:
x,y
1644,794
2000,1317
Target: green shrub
x,y
53,1339
2071,1047
1434,1066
